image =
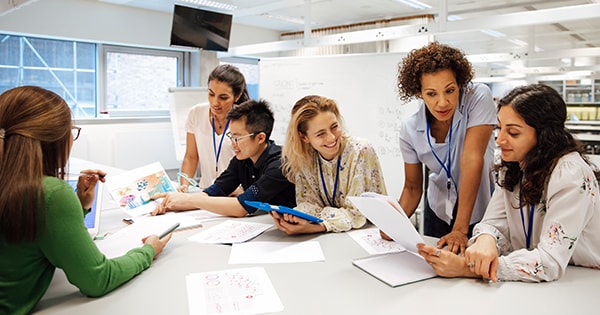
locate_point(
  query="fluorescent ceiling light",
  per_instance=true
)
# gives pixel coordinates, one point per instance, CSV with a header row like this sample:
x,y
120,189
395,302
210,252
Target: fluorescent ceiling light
x,y
212,4
453,17
518,42
284,18
493,33
415,4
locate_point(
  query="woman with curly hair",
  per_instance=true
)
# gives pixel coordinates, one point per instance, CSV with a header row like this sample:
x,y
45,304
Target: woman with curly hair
x,y
545,214
451,135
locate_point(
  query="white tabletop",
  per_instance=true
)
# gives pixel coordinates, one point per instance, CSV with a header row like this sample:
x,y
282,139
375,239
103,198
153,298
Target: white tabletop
x,y
334,286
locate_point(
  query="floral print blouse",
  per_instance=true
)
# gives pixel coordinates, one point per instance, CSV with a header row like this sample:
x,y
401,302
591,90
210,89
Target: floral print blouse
x,y
360,172
565,229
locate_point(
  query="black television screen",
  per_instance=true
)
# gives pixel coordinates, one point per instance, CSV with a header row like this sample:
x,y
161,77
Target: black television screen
x,y
193,27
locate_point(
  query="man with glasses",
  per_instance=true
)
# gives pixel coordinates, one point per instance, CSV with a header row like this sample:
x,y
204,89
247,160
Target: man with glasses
x,y
256,167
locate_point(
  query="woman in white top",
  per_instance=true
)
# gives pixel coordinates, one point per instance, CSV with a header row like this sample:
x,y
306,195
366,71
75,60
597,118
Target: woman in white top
x,y
207,125
545,214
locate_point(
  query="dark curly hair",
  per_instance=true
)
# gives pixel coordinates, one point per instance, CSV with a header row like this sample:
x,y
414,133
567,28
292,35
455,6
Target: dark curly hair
x,y
543,109
430,59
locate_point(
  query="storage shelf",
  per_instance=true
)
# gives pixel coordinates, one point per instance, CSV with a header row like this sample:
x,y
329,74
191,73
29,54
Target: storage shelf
x,y
582,97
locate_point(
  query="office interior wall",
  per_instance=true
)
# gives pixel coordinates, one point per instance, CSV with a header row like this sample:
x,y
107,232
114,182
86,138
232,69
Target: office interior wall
x,y
126,144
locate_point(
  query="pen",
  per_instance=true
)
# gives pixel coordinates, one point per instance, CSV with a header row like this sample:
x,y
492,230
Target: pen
x,y
85,174
169,230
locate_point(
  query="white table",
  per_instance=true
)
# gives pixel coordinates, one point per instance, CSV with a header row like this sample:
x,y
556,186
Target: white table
x,y
331,287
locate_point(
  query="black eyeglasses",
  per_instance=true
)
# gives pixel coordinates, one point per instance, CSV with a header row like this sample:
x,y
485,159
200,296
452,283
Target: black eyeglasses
x,y
75,132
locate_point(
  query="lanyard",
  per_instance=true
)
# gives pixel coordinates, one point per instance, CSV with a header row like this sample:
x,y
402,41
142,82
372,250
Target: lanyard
x,y
447,169
214,134
530,225
335,187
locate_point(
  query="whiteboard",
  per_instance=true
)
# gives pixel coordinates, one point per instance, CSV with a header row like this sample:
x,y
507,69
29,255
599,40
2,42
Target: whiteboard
x,y
181,99
363,86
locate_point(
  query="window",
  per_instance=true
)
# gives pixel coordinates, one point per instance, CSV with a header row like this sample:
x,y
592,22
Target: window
x,y
137,81
64,67
126,82
249,68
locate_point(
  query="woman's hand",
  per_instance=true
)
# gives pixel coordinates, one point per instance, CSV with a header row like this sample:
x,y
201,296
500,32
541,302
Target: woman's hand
x,y
482,257
455,240
445,263
292,225
86,186
157,244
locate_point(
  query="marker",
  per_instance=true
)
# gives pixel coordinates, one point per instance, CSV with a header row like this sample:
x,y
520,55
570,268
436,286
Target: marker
x,y
169,230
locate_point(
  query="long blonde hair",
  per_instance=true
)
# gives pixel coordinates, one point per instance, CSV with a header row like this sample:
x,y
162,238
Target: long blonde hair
x,y
297,154
35,140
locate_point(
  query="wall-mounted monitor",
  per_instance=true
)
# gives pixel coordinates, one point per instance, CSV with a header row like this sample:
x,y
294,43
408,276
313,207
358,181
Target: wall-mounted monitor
x,y
193,27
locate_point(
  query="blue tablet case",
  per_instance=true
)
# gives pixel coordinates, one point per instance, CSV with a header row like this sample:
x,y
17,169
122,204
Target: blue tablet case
x,y
281,209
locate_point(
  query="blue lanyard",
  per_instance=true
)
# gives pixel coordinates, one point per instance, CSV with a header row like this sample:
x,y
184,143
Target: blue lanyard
x,y
335,187
214,134
530,225
447,169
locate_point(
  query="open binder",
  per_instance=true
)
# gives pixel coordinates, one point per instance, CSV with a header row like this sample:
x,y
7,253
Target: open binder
x,y
396,268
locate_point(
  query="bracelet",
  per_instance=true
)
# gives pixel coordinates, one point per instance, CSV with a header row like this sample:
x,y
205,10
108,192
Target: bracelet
x,y
191,181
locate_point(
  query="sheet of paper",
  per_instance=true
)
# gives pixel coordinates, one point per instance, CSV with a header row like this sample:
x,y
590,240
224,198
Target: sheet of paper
x,y
130,237
386,214
275,252
231,231
243,291
371,241
132,189
186,219
396,268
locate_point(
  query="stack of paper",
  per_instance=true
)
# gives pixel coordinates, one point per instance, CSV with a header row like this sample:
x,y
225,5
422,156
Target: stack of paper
x,y
395,268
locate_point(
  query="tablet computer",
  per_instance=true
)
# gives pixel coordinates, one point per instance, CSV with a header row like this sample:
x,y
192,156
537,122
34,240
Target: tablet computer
x,y
92,218
281,209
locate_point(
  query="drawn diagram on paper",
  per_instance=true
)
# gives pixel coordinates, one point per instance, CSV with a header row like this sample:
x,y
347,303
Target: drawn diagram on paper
x,y
234,291
132,190
371,241
230,232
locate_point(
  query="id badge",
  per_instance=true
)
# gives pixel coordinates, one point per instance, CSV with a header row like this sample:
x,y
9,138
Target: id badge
x,y
449,205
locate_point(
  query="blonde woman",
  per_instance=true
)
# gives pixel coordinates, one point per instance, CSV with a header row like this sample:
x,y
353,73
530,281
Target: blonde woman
x,y
327,166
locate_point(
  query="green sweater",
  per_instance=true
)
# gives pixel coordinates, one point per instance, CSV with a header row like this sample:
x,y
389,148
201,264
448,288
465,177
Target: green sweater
x,y
26,269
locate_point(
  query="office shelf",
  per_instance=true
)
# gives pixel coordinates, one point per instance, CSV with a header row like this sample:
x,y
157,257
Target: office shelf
x,y
582,97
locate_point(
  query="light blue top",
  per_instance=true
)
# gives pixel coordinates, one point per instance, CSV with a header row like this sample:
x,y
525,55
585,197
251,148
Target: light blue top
x,y
476,107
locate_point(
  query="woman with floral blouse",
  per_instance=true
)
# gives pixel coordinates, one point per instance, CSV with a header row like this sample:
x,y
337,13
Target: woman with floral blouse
x,y
327,166
545,214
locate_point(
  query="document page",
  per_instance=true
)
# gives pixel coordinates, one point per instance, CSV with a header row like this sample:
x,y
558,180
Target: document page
x,y
231,231
396,268
371,241
119,243
232,292
399,267
132,190
275,252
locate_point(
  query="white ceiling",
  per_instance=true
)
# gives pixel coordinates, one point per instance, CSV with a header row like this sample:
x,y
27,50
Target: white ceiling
x,y
521,30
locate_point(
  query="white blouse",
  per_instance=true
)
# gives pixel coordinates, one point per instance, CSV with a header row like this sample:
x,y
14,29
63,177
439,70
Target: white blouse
x,y
565,230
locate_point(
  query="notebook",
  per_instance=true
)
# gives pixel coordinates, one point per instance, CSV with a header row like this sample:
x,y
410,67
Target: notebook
x,y
396,268
92,219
